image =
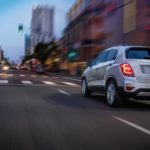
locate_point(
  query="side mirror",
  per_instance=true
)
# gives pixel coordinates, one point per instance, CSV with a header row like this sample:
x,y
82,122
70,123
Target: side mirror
x,y
90,63
114,57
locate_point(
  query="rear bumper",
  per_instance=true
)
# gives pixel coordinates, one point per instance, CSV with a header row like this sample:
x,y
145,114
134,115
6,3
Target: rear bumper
x,y
141,94
133,89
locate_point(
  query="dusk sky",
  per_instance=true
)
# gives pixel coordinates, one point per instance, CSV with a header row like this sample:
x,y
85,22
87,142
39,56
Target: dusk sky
x,y
14,12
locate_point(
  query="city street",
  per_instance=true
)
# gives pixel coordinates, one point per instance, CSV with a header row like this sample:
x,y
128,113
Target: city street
x,y
48,112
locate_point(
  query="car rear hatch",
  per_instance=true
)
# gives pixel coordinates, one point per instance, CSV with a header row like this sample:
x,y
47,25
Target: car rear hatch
x,y
139,59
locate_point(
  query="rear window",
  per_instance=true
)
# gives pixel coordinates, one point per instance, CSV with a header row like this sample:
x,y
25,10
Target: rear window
x,y
138,53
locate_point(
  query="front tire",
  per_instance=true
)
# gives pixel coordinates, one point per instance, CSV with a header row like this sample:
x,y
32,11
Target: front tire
x,y
113,97
85,91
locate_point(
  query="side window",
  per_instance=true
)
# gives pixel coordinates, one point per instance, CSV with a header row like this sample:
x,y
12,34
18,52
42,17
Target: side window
x,y
112,54
101,57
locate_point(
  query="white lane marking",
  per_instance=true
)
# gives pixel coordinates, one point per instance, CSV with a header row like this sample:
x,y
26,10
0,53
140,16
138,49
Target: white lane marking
x,y
63,92
133,125
4,74
69,83
44,76
26,82
10,75
33,76
3,81
72,79
49,83
22,75
31,85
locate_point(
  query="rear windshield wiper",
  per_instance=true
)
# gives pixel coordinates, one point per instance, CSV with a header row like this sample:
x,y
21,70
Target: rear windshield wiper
x,y
147,57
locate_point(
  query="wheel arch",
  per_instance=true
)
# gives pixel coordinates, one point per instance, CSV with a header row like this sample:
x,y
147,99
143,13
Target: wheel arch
x,y
111,79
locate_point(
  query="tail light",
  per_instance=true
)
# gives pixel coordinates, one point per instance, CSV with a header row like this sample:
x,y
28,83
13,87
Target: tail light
x,y
127,70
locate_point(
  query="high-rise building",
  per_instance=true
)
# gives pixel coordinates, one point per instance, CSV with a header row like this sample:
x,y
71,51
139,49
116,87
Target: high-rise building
x,y
94,25
27,44
84,34
41,25
127,22
1,54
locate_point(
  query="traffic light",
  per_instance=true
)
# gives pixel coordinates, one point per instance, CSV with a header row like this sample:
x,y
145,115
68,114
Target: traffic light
x,y
20,29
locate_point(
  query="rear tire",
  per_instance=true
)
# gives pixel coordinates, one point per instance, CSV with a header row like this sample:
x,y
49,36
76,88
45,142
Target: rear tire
x,y
113,97
85,91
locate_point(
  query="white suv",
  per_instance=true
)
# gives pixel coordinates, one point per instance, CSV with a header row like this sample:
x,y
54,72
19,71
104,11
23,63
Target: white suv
x,y
120,73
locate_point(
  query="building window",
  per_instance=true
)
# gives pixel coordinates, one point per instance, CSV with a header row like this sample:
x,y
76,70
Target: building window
x,y
129,15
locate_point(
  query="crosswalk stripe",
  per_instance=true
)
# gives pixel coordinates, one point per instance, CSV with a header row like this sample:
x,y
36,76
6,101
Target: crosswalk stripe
x,y
56,77
69,83
26,82
44,76
22,75
72,79
49,83
33,76
10,75
3,81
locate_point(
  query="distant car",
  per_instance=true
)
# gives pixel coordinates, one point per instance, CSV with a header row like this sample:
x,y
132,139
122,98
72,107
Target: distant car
x,y
25,67
18,67
12,67
120,73
39,69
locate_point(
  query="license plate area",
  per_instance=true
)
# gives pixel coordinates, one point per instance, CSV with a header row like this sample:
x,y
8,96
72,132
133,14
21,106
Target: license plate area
x,y
145,69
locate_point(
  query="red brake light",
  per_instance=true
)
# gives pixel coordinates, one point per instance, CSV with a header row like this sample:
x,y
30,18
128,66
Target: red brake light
x,y
127,70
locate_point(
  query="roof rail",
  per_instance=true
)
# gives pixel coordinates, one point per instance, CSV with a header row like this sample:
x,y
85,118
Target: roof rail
x,y
124,44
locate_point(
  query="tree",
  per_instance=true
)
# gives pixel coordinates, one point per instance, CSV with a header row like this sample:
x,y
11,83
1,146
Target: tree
x,y
44,50
26,58
6,61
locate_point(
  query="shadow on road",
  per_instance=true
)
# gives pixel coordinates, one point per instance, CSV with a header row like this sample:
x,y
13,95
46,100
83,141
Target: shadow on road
x,y
96,102
76,101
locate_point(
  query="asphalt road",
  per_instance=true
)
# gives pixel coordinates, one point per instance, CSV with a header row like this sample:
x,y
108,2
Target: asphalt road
x,y
48,112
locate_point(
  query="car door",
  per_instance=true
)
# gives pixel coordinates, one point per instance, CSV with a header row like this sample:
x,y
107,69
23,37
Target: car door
x,y
91,73
106,60
93,70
